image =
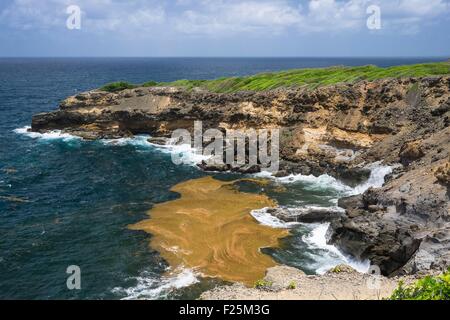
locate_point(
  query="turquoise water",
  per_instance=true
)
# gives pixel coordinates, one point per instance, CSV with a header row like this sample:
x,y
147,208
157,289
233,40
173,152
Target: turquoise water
x,y
64,201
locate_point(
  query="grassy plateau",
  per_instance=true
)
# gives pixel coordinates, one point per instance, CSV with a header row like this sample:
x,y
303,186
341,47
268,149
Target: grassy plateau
x,y
311,78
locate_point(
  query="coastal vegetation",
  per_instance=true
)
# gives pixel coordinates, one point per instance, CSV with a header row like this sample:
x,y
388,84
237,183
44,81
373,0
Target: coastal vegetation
x,y
262,284
292,285
337,269
428,288
311,78
117,86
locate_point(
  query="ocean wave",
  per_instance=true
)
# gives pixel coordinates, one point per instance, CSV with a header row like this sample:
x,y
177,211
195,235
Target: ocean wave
x,y
152,287
376,179
329,256
266,219
184,153
139,141
326,256
312,182
51,135
378,173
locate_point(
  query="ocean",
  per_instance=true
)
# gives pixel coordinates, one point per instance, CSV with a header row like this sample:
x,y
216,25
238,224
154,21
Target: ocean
x,y
65,201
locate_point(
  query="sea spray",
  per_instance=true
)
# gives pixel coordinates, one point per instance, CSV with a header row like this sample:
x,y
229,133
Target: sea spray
x,y
376,179
330,255
152,286
267,219
185,152
50,135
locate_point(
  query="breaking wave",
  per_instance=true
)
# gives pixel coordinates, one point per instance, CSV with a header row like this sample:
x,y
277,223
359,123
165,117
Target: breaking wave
x,y
378,173
51,135
376,179
152,287
184,153
330,256
266,219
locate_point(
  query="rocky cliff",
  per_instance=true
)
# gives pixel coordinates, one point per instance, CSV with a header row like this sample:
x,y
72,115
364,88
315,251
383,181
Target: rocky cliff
x,y
403,227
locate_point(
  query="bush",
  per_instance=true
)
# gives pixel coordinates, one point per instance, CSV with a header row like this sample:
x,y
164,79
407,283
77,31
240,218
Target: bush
x,y
117,86
292,285
336,269
428,288
263,284
150,84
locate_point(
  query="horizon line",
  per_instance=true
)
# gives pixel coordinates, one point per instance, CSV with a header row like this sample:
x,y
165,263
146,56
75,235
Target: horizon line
x,y
228,57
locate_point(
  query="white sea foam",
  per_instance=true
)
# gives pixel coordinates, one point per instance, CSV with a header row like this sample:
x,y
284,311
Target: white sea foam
x,y
140,141
378,173
311,182
330,256
153,287
184,152
51,135
266,219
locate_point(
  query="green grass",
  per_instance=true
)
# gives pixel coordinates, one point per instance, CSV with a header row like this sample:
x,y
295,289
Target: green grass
x,y
310,78
428,288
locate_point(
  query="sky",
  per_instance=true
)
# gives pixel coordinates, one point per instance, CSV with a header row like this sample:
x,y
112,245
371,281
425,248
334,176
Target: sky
x,y
225,28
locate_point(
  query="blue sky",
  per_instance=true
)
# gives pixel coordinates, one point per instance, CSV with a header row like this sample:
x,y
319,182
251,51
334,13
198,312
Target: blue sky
x,y
225,28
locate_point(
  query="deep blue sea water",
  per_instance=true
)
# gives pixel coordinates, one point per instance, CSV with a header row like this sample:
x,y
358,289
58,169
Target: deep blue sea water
x,y
80,196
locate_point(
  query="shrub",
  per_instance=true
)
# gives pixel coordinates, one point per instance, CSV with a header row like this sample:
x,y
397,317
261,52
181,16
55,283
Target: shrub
x,y
262,284
117,86
150,84
428,288
292,285
336,269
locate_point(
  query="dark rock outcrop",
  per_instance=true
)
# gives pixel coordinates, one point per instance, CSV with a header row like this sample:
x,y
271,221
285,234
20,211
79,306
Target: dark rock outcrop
x,y
306,215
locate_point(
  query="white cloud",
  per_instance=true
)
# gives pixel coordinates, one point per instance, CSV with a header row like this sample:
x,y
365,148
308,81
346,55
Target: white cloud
x,y
97,15
218,18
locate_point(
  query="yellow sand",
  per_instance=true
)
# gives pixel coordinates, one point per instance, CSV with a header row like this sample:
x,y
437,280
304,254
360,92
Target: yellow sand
x,y
210,229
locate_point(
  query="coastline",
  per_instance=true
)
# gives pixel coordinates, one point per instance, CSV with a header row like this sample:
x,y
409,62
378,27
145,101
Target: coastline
x,y
401,122
286,283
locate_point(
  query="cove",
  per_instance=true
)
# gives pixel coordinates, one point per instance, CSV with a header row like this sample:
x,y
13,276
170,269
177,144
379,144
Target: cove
x,y
210,229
